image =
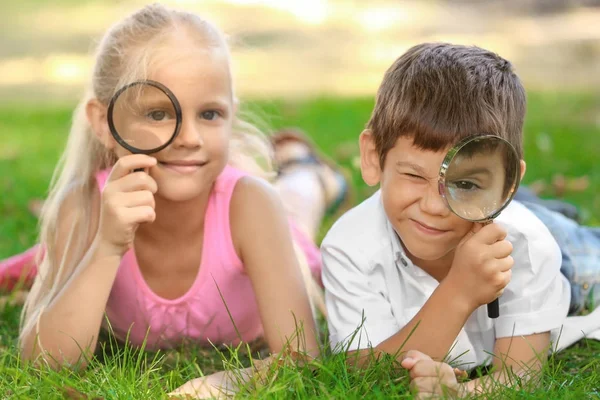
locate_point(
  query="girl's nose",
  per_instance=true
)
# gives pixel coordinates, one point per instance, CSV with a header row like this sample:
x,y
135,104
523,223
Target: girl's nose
x,y
189,136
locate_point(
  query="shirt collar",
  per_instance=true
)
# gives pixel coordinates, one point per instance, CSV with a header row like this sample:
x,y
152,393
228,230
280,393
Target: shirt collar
x,y
399,254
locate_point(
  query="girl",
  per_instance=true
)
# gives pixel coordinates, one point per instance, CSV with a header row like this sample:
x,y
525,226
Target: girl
x,y
169,253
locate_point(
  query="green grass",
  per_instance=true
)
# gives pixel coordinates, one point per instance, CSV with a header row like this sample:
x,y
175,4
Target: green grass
x,y
562,137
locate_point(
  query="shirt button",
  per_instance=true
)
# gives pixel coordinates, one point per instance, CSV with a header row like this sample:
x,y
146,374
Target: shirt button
x,y
403,262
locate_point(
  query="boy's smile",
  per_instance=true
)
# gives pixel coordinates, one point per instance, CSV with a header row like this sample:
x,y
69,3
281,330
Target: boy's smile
x,y
425,225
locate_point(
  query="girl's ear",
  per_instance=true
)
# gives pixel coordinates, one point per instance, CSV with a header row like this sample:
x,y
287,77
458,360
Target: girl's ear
x,y
523,168
96,113
369,159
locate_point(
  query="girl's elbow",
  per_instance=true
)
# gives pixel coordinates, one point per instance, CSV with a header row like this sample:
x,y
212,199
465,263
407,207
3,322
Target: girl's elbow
x,y
32,352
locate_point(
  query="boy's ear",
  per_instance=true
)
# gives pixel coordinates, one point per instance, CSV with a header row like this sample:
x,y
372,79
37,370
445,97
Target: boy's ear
x,y
96,113
369,159
523,169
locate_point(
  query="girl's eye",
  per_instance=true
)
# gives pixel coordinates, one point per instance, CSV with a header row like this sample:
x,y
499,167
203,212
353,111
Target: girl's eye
x,y
210,115
157,115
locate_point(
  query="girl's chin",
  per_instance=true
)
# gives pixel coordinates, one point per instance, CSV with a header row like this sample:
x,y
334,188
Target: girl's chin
x,y
179,194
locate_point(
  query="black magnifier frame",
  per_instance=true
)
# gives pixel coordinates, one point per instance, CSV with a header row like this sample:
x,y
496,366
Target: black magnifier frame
x,y
172,98
493,307
450,157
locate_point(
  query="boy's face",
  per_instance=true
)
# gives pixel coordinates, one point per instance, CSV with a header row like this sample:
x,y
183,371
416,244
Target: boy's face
x,y
409,190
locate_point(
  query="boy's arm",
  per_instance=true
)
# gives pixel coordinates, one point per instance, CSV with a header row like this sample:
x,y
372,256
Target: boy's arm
x,y
521,357
435,327
518,359
353,299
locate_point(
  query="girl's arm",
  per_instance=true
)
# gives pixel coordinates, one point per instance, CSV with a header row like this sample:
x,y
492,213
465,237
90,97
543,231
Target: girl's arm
x,y
71,319
68,326
262,237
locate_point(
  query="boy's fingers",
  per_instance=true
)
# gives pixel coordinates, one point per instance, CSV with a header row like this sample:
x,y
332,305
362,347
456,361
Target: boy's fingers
x,y
429,387
411,357
425,368
502,249
460,374
408,362
491,234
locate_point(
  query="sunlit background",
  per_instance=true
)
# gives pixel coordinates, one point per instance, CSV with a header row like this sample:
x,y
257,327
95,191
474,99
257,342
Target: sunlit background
x,y
285,48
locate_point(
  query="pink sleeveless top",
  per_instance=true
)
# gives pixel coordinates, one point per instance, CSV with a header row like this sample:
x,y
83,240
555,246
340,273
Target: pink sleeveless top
x,y
200,315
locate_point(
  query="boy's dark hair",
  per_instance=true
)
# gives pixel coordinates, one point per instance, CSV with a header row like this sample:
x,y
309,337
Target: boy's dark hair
x,y
438,93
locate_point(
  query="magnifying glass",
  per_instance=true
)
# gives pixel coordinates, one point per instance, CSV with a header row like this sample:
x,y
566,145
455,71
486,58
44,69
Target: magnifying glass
x,y
478,178
144,117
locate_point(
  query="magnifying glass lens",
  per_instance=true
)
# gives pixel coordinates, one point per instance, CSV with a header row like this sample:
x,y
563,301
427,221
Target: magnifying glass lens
x,y
144,118
481,178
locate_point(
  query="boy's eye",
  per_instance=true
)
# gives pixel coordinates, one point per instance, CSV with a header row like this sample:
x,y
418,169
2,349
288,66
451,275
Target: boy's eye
x,y
413,176
209,115
465,185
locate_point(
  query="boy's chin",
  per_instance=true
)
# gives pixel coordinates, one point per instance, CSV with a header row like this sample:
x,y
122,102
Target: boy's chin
x,y
426,252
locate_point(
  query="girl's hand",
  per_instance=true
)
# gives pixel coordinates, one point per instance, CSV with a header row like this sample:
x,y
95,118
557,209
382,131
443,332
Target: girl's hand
x,y
482,265
429,378
219,385
127,200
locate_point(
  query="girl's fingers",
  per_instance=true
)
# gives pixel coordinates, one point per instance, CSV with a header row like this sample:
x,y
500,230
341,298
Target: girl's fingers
x,y
134,181
140,214
128,163
136,199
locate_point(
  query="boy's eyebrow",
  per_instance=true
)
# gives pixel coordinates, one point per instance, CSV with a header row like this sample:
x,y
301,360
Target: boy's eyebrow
x,y
415,167
473,171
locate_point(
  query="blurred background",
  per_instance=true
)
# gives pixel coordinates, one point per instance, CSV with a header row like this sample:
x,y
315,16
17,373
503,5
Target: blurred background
x,y
312,64
288,48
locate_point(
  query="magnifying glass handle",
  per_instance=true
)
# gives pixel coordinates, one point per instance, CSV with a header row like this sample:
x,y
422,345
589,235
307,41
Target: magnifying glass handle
x,y
494,309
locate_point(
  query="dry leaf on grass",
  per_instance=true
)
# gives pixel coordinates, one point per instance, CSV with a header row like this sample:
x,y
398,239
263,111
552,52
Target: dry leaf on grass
x,y
74,394
8,153
560,186
15,298
35,207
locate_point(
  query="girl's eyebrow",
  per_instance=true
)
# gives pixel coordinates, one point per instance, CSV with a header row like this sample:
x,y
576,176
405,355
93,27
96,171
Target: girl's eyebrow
x,y
214,104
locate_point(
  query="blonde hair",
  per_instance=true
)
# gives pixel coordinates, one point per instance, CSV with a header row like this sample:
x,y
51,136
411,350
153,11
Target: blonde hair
x,y
123,56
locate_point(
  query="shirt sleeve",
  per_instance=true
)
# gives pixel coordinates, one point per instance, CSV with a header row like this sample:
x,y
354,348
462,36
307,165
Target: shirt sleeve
x,y
359,315
537,298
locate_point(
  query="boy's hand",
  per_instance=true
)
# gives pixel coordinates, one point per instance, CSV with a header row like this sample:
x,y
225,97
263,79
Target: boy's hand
x,y
482,265
127,201
431,379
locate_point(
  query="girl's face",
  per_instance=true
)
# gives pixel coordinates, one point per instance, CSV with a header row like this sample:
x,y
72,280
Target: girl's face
x,y
200,79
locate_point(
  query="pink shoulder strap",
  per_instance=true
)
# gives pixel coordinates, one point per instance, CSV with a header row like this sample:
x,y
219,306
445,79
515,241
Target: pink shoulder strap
x,y
102,177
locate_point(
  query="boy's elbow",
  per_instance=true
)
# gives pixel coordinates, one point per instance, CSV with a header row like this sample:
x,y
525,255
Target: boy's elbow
x,y
362,358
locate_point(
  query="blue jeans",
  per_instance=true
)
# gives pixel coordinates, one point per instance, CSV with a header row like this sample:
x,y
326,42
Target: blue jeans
x,y
580,247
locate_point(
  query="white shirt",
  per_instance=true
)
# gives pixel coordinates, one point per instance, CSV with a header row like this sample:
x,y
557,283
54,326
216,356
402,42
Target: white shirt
x,y
367,274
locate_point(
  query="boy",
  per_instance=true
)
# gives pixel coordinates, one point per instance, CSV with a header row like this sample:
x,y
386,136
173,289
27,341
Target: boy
x,y
402,261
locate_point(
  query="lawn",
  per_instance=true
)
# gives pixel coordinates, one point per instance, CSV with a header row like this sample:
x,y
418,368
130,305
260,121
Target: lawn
x,y
562,139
